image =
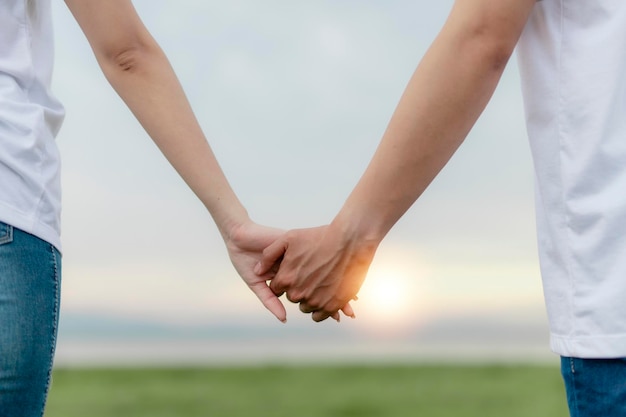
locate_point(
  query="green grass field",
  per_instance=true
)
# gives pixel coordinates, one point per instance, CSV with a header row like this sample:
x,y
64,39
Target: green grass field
x,y
310,391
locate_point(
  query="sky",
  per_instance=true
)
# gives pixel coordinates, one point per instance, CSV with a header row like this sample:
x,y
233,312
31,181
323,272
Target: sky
x,y
294,99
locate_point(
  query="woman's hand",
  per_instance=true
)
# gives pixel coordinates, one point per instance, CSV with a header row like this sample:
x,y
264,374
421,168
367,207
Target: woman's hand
x,y
245,243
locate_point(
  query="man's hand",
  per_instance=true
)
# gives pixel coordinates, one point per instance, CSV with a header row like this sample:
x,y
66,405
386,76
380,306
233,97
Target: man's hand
x,y
245,244
322,269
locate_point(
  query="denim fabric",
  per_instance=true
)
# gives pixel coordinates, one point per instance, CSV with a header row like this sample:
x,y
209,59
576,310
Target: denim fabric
x,y
595,387
30,271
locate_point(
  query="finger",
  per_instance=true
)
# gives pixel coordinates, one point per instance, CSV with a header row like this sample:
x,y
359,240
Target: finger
x,y
271,256
320,315
336,317
274,268
348,311
278,294
306,309
271,273
270,300
277,287
294,296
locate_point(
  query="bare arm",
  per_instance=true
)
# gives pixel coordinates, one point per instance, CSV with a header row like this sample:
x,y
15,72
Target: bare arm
x,y
322,268
141,74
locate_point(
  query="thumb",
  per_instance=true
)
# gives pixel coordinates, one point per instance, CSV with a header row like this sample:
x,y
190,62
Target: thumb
x,y
271,255
269,300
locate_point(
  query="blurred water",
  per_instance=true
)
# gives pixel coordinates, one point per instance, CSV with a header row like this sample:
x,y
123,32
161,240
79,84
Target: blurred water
x,y
199,352
104,340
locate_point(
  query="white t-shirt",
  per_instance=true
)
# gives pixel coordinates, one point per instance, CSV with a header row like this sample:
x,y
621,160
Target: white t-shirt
x,y
30,117
572,58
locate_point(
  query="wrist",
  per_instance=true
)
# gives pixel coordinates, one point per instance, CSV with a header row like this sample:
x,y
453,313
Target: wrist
x,y
230,223
359,228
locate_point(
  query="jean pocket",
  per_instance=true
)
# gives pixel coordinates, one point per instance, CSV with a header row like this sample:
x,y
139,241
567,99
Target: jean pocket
x,y
6,233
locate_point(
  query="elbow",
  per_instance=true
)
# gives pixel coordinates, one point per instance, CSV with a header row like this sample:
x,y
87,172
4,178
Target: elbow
x,y
497,53
128,57
489,45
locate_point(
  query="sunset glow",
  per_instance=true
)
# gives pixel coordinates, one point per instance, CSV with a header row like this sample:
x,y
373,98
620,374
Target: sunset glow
x,y
387,297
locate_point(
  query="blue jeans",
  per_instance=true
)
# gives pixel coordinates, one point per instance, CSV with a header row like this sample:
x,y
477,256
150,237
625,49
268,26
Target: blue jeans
x,y
595,387
30,271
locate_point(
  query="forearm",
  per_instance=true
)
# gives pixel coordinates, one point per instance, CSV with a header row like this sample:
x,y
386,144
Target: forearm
x,y
440,104
146,82
444,98
139,71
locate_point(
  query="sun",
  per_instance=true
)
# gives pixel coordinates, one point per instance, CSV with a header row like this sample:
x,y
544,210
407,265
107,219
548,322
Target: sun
x,y
395,295
386,296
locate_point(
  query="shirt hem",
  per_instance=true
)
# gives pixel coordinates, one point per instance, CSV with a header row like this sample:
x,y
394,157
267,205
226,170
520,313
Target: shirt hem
x,y
31,226
589,347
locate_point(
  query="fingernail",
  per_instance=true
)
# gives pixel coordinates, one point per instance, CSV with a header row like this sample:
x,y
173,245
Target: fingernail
x,y
257,268
284,321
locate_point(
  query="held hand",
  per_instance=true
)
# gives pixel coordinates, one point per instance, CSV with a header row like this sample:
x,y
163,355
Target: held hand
x,y
245,245
322,269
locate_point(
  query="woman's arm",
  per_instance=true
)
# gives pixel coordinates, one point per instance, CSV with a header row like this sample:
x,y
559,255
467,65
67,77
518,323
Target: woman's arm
x,y
141,74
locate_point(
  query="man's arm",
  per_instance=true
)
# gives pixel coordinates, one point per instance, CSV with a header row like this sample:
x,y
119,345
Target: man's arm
x,y
323,268
140,73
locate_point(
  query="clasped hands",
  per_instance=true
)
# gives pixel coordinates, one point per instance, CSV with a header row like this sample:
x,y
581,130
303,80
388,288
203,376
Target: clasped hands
x,y
321,268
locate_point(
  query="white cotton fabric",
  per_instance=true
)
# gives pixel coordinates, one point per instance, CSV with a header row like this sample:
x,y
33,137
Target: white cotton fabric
x,y
572,58
30,117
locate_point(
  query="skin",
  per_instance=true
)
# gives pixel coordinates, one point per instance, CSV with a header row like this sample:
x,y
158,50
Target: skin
x,y
323,268
140,73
